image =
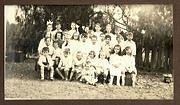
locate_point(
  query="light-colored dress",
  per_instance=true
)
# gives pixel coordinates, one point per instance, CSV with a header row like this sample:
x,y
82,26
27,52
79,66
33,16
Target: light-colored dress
x,y
102,65
116,65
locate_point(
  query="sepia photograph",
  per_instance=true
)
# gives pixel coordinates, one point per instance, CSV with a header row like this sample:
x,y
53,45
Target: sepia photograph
x,y
117,51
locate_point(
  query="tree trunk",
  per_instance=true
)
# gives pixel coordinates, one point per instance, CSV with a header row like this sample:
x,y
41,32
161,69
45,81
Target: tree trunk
x,y
154,58
146,60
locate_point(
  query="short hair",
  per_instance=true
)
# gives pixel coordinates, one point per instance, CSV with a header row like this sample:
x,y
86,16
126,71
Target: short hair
x,y
130,34
66,50
45,49
55,41
46,38
58,23
108,25
84,35
127,48
120,37
108,36
79,52
94,36
98,24
65,32
92,52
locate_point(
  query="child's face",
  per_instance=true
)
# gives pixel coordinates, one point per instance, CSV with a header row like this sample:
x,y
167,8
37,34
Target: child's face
x,y
94,40
97,28
83,39
73,25
117,30
66,54
58,27
79,56
129,37
102,36
108,28
116,50
128,51
102,55
76,36
48,34
49,28
91,55
58,36
45,53
48,41
107,40
67,37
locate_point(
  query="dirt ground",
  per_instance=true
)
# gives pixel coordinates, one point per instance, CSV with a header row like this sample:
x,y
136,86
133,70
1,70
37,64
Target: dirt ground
x,y
21,82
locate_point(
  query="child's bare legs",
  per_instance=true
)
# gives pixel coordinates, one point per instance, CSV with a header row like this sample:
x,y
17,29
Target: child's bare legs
x,y
42,72
51,73
133,79
59,72
111,80
123,78
71,75
78,75
66,70
118,81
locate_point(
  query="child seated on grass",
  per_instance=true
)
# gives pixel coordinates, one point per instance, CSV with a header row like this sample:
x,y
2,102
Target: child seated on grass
x,y
45,62
129,64
65,63
78,65
88,74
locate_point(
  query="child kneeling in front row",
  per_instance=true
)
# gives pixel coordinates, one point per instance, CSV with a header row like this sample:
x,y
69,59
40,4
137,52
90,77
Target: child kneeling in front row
x,y
45,62
129,66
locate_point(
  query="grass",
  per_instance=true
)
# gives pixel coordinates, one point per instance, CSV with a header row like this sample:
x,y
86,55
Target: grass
x,y
22,82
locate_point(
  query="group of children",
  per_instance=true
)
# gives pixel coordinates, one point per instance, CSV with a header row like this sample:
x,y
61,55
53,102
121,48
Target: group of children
x,y
89,57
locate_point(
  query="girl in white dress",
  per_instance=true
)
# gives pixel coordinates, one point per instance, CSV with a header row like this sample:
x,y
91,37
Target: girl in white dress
x,y
116,64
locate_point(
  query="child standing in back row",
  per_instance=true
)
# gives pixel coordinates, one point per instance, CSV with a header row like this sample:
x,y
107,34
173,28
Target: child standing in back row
x,y
129,42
